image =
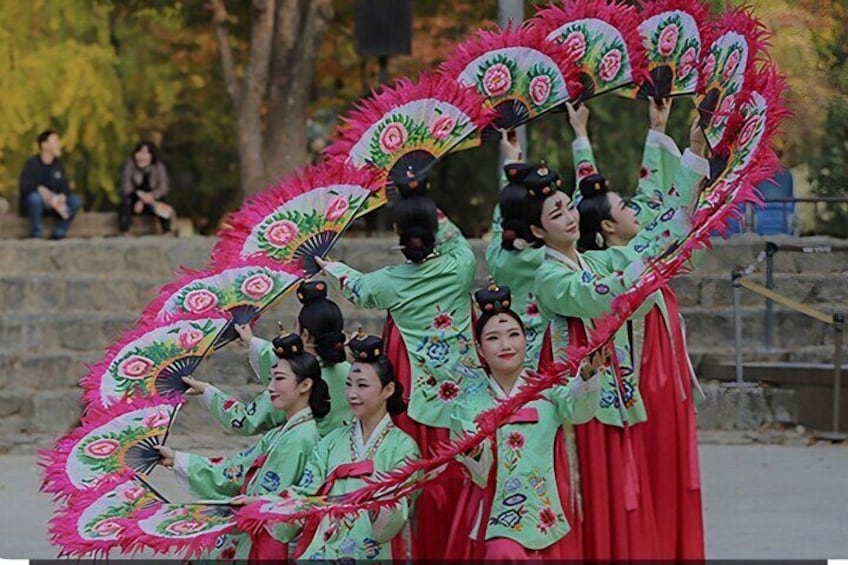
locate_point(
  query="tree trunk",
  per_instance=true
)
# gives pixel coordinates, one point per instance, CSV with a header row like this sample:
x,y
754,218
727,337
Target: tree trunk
x,y
300,24
284,40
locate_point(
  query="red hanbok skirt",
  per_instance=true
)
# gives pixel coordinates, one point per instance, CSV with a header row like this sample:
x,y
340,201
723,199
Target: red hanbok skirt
x,y
669,435
437,504
619,519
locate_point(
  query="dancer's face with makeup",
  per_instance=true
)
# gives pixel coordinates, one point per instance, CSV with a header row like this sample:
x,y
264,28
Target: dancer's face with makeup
x,y
560,222
503,345
365,392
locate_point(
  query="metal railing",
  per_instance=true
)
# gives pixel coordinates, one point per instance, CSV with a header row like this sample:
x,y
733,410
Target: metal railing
x,y
740,280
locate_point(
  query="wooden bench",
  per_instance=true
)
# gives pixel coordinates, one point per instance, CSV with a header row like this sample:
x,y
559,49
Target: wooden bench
x,y
86,224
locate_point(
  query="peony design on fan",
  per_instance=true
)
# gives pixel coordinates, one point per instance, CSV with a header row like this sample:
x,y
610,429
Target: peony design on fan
x,y
109,446
150,362
91,523
299,219
193,528
600,38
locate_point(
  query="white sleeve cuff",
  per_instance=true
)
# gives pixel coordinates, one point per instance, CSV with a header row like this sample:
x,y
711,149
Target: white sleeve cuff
x,y
209,395
181,461
254,354
581,142
695,163
662,140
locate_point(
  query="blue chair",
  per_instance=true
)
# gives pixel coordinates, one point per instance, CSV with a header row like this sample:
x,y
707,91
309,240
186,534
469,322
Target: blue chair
x,y
776,217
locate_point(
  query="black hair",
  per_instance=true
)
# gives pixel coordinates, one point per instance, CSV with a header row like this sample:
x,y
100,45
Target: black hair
x,y
44,136
151,148
533,215
486,316
416,220
305,366
395,404
593,210
512,204
323,318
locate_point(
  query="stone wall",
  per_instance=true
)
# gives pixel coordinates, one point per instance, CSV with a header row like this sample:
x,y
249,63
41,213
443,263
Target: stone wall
x,y
63,302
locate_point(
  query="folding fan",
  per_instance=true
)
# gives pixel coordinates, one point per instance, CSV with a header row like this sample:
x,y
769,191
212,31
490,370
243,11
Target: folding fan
x,y
241,291
150,361
90,523
108,445
410,124
731,56
519,72
190,529
299,219
671,36
600,37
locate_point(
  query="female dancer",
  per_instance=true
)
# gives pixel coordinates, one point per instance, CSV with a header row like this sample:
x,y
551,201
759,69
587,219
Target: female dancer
x,y
575,288
510,259
666,375
428,300
275,462
319,324
371,444
523,502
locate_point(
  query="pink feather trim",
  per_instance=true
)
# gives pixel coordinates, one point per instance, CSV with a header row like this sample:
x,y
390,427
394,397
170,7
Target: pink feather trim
x,y
232,237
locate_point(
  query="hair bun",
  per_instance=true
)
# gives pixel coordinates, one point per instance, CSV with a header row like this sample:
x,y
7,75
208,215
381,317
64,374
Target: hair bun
x,y
411,183
310,291
593,185
365,348
287,345
517,172
418,242
493,298
542,181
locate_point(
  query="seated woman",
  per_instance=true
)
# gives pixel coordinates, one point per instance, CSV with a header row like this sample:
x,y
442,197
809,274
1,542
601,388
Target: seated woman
x,y
522,502
144,185
371,445
278,459
319,324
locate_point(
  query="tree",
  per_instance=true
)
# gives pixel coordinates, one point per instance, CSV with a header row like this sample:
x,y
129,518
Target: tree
x,y
270,90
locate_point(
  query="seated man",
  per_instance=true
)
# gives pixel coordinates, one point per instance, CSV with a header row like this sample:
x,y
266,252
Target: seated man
x,y
44,186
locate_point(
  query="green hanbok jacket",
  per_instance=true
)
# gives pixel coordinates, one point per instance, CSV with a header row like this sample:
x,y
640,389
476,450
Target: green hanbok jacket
x,y
526,507
430,303
259,415
360,536
586,289
274,463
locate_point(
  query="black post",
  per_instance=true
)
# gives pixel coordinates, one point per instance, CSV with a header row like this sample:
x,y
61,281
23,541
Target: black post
x,y
771,250
737,323
838,326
